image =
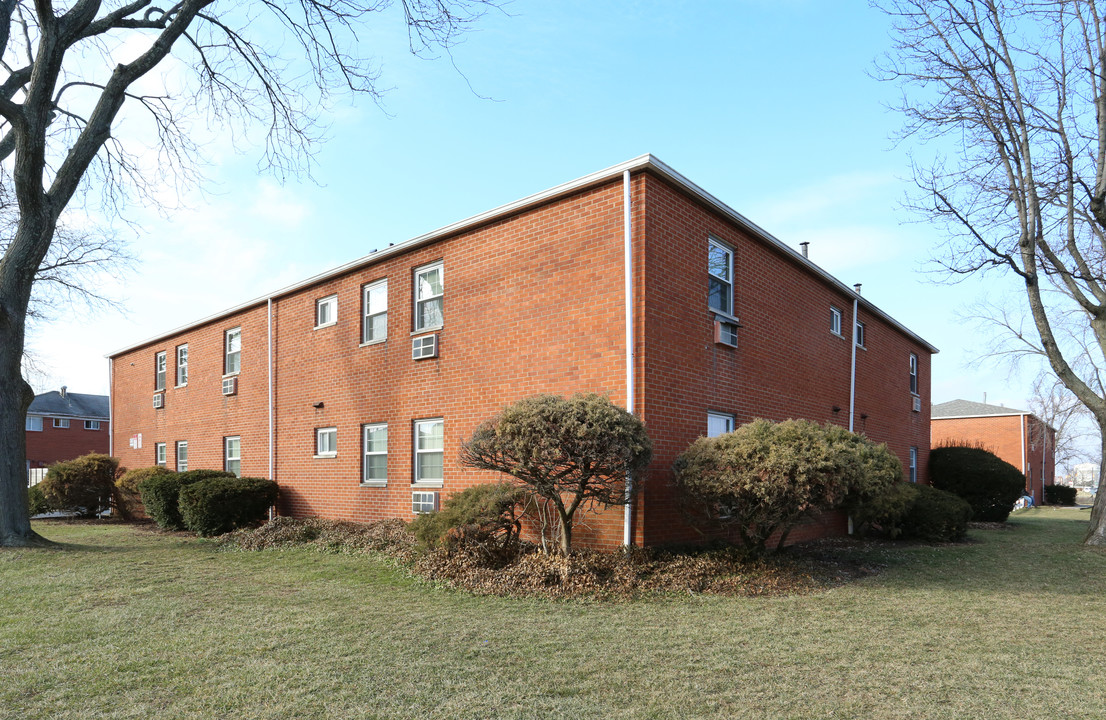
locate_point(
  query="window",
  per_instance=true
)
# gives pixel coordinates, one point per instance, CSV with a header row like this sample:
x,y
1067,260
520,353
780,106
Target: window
x,y
374,323
182,455
720,283
860,334
34,424
913,373
91,424
182,365
428,297
719,424
376,454
835,320
159,372
326,311
232,454
61,423
233,346
159,454
913,464
326,442
430,451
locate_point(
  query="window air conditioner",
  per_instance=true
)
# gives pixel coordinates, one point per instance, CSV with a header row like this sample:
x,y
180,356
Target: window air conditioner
x,y
424,347
230,385
917,404
159,400
424,502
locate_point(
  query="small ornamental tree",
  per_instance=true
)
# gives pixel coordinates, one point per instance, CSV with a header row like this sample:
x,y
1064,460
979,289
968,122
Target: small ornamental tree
x,y
765,477
563,452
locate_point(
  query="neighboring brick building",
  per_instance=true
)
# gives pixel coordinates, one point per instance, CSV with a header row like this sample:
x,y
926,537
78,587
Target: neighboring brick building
x,y
62,425
317,387
1018,437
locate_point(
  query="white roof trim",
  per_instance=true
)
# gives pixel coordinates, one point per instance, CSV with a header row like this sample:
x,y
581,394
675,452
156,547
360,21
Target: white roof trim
x,y
641,162
982,415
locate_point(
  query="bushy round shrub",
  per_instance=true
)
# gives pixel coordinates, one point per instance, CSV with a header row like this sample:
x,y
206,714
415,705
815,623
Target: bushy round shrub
x,y
127,495
989,484
1059,495
765,477
221,504
161,494
36,500
885,513
82,485
483,517
937,516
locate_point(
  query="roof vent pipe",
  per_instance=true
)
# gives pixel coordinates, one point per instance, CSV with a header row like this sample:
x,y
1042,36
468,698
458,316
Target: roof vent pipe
x,y
806,249
857,288
63,392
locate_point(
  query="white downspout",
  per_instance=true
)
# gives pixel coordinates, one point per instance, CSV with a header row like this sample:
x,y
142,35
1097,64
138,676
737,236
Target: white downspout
x,y
1025,460
111,407
852,369
628,272
269,332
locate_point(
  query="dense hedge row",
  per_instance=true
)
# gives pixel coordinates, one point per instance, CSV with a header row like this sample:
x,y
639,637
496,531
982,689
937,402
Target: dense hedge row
x,y
915,512
161,494
1059,495
219,504
989,484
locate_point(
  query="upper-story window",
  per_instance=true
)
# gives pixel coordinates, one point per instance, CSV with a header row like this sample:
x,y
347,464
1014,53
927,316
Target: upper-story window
x,y
719,424
835,320
429,295
61,423
374,324
233,346
91,424
326,311
159,371
34,423
182,365
860,340
720,284
913,373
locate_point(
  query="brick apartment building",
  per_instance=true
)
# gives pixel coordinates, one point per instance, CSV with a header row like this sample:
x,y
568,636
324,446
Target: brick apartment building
x,y
355,388
62,425
1018,437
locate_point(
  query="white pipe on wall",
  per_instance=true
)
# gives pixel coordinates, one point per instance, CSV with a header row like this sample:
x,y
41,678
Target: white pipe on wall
x,y
628,272
269,331
852,370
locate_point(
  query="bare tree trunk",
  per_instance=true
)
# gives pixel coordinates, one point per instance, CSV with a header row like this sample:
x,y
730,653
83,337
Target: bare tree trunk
x,y
1096,533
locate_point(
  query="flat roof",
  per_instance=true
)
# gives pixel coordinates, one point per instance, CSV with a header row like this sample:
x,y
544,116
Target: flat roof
x,y
642,162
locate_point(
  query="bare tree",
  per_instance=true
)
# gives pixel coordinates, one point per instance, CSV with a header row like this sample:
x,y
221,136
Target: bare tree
x,y
1015,92
71,73
1060,410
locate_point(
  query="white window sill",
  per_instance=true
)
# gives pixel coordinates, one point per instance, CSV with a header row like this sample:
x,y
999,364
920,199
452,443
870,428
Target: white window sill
x,y
374,484
374,342
236,373
178,387
326,325
325,456
724,316
838,335
427,484
427,330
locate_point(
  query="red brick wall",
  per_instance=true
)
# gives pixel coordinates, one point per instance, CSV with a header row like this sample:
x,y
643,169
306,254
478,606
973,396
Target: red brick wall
x,y
56,444
1006,437
533,303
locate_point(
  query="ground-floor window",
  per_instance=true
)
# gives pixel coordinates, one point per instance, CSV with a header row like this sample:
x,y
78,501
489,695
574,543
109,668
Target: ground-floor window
x,y
232,447
376,454
182,455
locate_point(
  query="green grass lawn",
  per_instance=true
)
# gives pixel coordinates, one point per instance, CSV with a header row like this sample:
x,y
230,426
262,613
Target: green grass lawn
x,y
125,623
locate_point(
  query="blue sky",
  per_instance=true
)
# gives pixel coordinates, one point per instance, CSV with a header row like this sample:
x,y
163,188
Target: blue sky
x,y
767,104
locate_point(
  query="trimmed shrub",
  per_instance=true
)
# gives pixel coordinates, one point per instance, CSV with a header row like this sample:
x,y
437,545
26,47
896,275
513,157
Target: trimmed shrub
x,y
161,494
937,516
82,485
221,504
483,518
36,500
127,495
885,513
1059,495
989,484
765,477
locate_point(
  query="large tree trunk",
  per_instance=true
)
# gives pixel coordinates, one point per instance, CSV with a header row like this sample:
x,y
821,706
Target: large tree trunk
x,y
1096,533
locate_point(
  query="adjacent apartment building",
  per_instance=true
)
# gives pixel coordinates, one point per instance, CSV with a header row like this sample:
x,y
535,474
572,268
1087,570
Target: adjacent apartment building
x,y
62,425
355,388
1017,436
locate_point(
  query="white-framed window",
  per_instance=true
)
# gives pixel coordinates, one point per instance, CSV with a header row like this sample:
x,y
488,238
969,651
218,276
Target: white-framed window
x,y
375,470
232,455
34,423
182,365
720,282
374,315
860,334
719,424
159,371
326,311
913,373
326,442
233,345
430,451
835,320
61,423
159,454
429,297
91,424
913,464
182,455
